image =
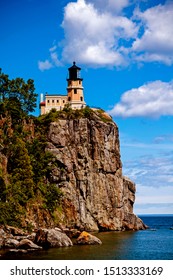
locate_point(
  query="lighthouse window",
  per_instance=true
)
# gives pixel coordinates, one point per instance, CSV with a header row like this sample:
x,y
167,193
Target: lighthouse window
x,y
75,90
78,74
81,98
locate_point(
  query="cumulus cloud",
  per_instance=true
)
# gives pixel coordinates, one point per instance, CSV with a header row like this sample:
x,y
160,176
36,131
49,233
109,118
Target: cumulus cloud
x,y
118,5
156,43
153,99
92,36
110,5
101,33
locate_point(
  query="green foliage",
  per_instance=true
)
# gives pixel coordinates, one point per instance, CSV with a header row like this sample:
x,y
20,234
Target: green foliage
x,y
40,159
11,213
20,170
29,165
53,197
2,189
13,106
87,111
44,121
29,170
67,108
42,164
17,97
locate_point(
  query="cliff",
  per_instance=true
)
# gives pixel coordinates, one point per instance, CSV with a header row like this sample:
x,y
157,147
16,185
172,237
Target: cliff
x,y
96,196
64,169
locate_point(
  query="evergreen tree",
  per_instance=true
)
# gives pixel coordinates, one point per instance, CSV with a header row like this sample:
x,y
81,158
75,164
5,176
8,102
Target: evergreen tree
x,y
20,170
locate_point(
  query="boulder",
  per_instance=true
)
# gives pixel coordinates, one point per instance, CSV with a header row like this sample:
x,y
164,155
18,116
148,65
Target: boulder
x,y
10,243
28,244
49,238
31,236
86,238
73,233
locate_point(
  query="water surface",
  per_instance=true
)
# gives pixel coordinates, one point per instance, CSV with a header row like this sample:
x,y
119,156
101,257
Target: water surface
x,y
155,243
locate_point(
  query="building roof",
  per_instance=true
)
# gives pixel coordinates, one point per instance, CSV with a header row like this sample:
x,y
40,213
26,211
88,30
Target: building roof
x,y
56,95
74,66
43,103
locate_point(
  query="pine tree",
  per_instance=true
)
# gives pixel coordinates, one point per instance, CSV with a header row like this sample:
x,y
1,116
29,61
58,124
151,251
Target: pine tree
x,y
20,170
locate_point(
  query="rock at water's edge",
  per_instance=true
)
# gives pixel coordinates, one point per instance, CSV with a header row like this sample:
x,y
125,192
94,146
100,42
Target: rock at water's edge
x,y
48,238
86,238
28,244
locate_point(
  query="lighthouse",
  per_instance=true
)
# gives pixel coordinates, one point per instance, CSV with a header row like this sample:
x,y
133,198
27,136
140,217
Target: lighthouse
x,y
75,96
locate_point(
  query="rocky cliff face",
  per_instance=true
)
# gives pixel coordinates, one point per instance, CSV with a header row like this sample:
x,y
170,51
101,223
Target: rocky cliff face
x,y
96,194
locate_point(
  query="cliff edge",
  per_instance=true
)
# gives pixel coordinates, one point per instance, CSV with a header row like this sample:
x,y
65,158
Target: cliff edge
x,y
64,169
96,196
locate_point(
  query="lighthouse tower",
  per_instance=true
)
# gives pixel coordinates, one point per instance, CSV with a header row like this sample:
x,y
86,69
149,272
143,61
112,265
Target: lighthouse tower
x,y
75,95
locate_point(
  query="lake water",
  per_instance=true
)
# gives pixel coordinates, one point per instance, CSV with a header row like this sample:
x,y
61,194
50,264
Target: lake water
x,y
155,243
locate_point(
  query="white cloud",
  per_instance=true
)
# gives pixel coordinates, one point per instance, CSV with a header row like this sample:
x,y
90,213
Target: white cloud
x,y
54,59
110,5
152,200
118,5
153,208
151,171
44,65
153,99
151,195
156,43
91,36
153,176
165,138
51,62
99,33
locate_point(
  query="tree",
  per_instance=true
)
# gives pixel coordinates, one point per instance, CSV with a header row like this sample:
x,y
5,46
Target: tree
x,y
20,170
4,84
2,189
17,91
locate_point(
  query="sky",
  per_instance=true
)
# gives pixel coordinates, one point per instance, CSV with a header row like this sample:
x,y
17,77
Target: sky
x,y
125,50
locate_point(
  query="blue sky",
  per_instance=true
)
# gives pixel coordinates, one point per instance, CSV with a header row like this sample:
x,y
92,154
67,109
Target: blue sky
x,y
125,50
